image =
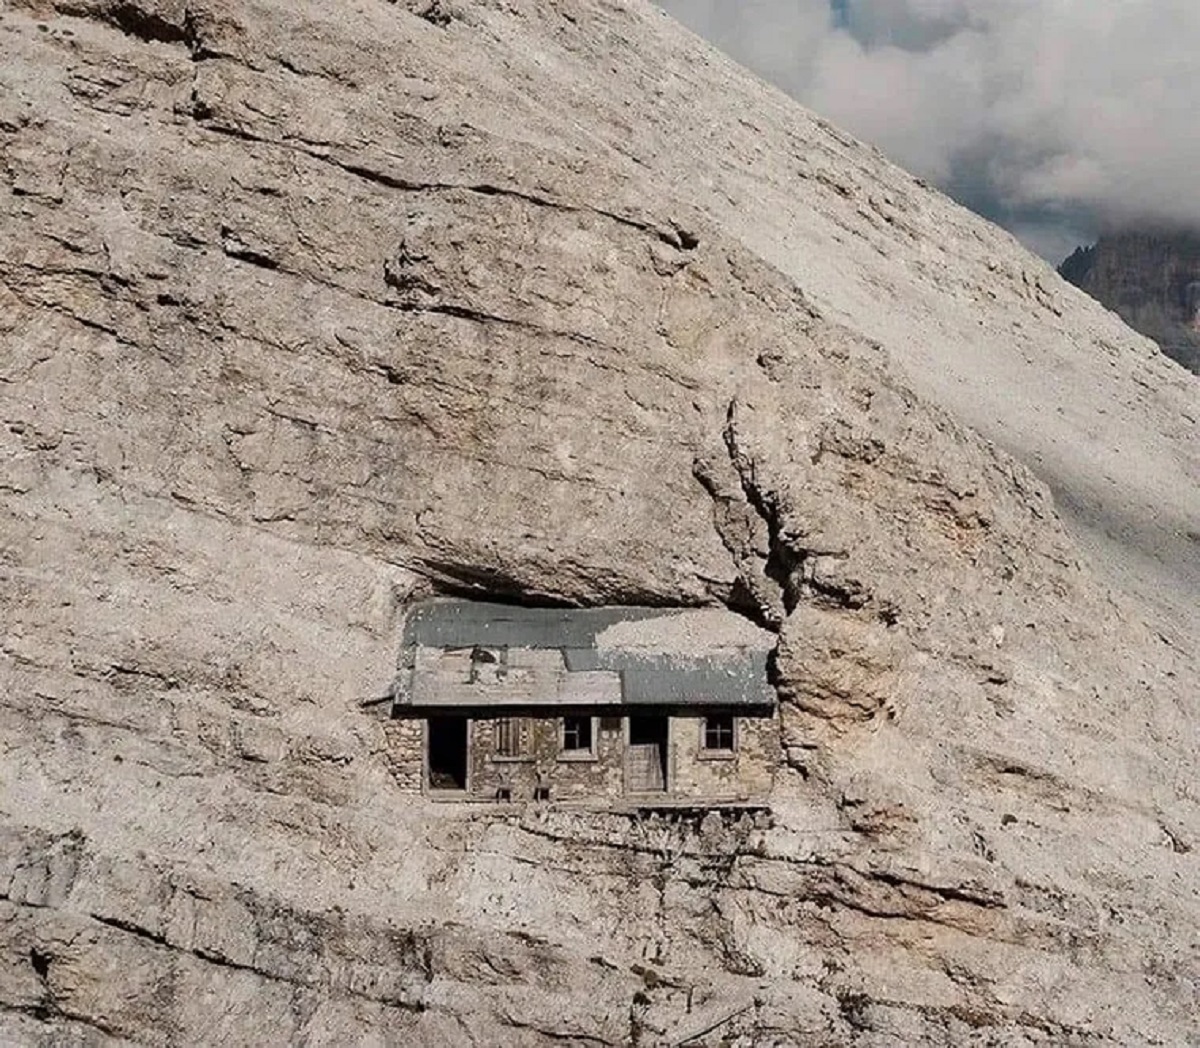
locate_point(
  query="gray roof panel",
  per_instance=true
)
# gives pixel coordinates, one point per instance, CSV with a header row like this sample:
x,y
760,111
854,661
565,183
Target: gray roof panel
x,y
731,677
464,623
742,683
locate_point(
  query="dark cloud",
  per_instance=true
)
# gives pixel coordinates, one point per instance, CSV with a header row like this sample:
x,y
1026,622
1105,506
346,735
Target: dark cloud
x,y
1057,118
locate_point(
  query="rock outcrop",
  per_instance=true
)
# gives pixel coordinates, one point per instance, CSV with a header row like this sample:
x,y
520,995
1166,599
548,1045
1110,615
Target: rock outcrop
x,y
308,311
1152,280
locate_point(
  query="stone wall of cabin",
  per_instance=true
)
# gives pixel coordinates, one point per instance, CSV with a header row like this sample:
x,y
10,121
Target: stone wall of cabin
x,y
746,774
569,778
406,752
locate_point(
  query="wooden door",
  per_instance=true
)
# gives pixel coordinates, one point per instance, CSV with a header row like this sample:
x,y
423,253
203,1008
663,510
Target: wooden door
x,y
646,755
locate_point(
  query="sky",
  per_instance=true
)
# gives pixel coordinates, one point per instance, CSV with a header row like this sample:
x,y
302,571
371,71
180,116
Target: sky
x,y
1059,119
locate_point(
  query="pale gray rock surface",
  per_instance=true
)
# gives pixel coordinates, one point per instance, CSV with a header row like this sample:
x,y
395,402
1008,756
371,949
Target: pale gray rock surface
x,y
310,310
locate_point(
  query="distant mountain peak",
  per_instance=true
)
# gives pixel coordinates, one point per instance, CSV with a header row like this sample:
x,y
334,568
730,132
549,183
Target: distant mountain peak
x,y
1152,279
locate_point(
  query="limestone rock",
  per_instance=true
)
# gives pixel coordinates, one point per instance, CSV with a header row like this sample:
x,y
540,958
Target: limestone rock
x,y
310,311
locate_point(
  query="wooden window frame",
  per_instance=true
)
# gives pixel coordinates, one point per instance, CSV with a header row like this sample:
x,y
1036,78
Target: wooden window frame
x,y
719,753
590,754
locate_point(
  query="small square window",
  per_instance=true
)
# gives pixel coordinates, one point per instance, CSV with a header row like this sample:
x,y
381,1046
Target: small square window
x,y
541,793
719,733
504,794
577,736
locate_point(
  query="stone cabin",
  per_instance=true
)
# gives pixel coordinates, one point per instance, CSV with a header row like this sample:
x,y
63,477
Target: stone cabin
x,y
618,706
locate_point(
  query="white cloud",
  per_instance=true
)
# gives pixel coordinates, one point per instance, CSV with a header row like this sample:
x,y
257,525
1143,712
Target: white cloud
x,y
1024,107
777,39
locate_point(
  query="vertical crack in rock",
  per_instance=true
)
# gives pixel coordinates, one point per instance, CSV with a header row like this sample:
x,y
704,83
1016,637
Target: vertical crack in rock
x,y
777,572
783,563
833,665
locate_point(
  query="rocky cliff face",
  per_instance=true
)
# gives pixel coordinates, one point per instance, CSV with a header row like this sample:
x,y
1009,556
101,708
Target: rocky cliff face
x,y
311,311
1152,281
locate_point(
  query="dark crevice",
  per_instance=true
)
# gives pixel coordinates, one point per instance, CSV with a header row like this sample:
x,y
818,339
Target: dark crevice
x,y
889,614
1178,845
145,25
95,325
544,1033
472,582
121,671
837,887
220,960
400,273
783,565
791,567
477,316
853,1007
674,236
200,953
40,961
369,174
952,892
447,309
680,238
740,597
395,376
132,19
48,1011
234,248
435,13
295,70
201,112
851,597
133,929
250,257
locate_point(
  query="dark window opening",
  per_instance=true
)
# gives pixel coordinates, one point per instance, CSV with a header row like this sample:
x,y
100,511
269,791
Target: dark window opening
x,y
506,736
447,753
541,793
577,735
503,793
719,732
